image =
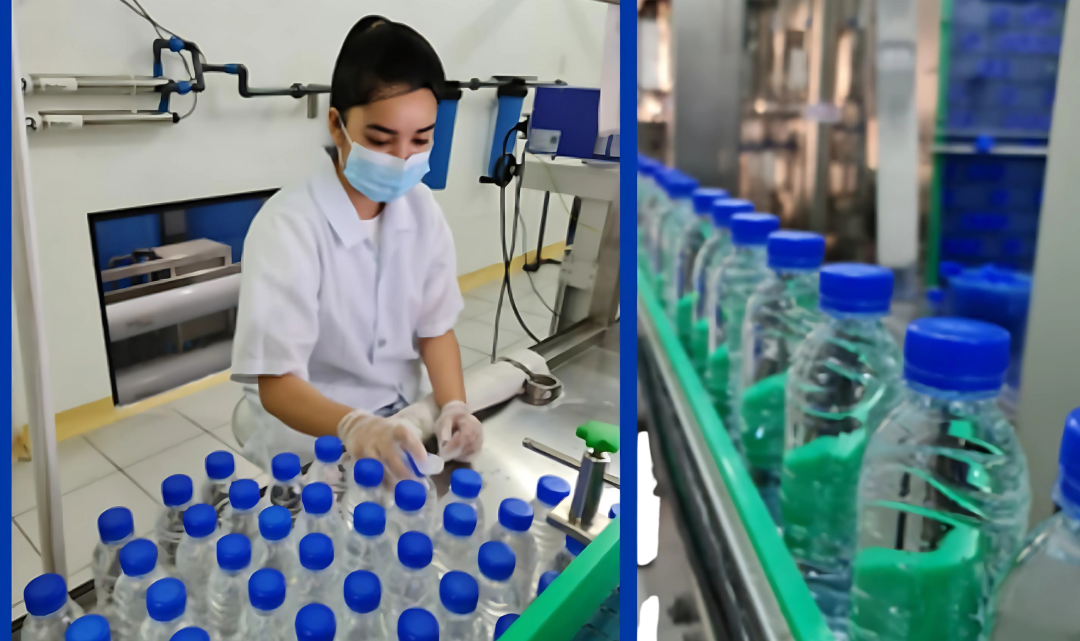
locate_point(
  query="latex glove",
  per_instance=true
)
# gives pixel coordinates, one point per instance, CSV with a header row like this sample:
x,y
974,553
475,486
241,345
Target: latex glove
x,y
368,436
459,432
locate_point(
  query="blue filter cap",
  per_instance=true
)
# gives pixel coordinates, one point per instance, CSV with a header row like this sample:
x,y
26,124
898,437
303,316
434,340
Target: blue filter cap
x,y
139,557
613,511
115,524
363,592
496,560
956,354
45,594
275,523
677,184
573,546
369,519
753,229
459,592
200,520
266,589
855,288
315,622
414,550
191,634
176,490
316,551
515,514
328,449
416,624
92,627
704,197
551,489
368,472
459,519
545,580
166,600
243,494
465,483
724,208
285,467
233,552
318,498
220,465
409,495
1067,490
796,250
504,623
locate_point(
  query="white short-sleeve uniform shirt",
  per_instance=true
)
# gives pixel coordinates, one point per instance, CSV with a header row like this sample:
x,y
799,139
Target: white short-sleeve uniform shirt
x,y
322,299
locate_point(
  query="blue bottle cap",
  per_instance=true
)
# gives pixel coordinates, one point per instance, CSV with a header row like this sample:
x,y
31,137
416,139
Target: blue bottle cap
x,y
753,229
677,184
363,592
329,449
545,580
318,498
496,560
504,623
646,166
176,490
459,592
285,466
956,354
459,519
266,589
369,519
191,634
275,523
139,557
1067,489
856,288
166,600
796,250
724,208
704,197
92,627
416,624
368,472
45,594
409,495
947,269
613,511
243,494
515,514
233,552
414,550
465,483
316,551
115,524
220,465
573,545
315,622
200,520
551,489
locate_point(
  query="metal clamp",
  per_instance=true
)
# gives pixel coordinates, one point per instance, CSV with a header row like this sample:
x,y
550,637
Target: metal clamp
x,y
580,517
540,389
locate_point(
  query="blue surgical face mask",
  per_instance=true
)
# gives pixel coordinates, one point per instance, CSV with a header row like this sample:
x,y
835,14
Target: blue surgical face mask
x,y
380,176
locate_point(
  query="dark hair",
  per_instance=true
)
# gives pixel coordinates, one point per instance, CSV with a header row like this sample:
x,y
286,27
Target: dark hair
x,y
381,59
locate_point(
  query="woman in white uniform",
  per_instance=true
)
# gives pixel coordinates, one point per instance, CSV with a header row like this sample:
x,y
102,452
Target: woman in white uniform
x,y
349,280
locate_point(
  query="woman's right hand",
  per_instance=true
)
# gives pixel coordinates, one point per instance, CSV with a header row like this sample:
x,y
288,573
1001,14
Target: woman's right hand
x,y
366,435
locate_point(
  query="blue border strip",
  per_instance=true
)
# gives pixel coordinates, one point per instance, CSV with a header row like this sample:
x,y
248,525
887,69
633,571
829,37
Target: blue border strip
x,y
5,316
628,604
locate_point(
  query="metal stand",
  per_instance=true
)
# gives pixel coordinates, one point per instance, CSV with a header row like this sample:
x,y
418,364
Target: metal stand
x,y
535,265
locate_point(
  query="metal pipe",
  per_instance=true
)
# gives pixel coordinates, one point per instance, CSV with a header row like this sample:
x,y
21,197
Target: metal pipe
x,y
165,309
565,459
589,488
167,372
80,119
54,83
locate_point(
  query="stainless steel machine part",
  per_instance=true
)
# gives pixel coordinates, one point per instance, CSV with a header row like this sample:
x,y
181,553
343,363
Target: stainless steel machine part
x,y
589,486
565,459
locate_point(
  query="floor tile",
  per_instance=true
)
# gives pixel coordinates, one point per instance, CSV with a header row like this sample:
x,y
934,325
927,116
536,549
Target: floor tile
x,y
18,610
478,336
210,407
25,564
539,324
81,509
475,306
137,437
224,434
488,291
533,305
186,458
78,463
470,357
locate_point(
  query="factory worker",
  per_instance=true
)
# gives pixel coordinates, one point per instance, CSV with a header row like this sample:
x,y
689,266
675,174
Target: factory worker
x,y
349,279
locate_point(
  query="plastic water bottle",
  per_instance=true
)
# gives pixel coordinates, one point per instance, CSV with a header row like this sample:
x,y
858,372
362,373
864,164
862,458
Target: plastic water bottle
x,y
465,486
654,211
647,201
139,560
498,594
456,542
191,634
196,554
366,486
943,494
319,514
779,315
413,582
409,512
417,624
276,547
264,616
287,485
1038,598
545,580
565,556
683,235
49,610
328,466
363,619
318,580
166,601
226,587
220,473
503,624
703,200
176,494
315,622
241,516
515,521
458,595
550,492
92,627
367,545
844,380
116,527
739,275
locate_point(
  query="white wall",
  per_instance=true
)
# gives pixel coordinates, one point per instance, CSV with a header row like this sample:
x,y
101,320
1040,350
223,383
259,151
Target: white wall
x,y
232,145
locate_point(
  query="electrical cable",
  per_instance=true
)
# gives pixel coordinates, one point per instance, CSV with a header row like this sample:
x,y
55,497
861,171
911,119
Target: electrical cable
x,y
158,28
525,243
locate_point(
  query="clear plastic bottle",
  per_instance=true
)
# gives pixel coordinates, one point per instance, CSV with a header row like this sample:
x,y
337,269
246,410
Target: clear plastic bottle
x,y
220,473
329,465
276,546
682,237
417,624
116,527
49,610
363,619
166,602
1038,600
546,579
944,495
458,597
456,542
367,544
319,514
409,512
465,486
176,493
139,561
412,582
779,315
515,521
703,200
550,492
654,232
225,591
498,594
503,624
241,516
366,486
191,633
287,484
315,622
196,553
318,580
648,192
843,381
565,556
265,618
92,627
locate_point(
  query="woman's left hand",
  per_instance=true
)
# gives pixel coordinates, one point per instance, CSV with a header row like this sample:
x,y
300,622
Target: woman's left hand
x,y
459,432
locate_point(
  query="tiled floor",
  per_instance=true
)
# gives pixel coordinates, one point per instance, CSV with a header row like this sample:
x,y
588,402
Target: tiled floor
x,y
125,463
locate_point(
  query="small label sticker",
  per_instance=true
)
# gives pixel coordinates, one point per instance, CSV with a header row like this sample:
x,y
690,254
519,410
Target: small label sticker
x,y
544,141
63,84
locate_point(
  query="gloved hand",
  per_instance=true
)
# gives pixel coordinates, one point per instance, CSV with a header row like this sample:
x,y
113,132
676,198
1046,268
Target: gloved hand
x,y
459,433
366,435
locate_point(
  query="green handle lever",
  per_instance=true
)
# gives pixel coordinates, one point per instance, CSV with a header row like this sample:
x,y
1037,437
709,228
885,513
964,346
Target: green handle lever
x,y
600,437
